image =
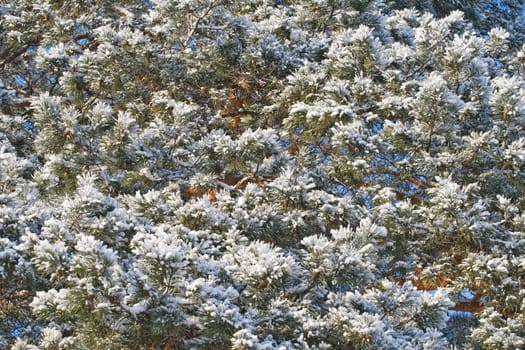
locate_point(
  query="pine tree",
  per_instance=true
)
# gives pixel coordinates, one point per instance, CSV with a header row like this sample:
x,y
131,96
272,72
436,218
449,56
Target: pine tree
x,y
262,174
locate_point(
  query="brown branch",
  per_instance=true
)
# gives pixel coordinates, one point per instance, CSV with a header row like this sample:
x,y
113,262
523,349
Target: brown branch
x,y
468,306
417,182
410,178
15,55
328,19
194,27
22,102
429,141
24,48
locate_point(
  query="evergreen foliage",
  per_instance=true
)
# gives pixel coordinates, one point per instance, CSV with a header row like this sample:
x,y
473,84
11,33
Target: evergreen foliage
x,y
217,174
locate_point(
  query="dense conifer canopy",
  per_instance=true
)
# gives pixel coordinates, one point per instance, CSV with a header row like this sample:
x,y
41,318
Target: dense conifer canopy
x,y
263,174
